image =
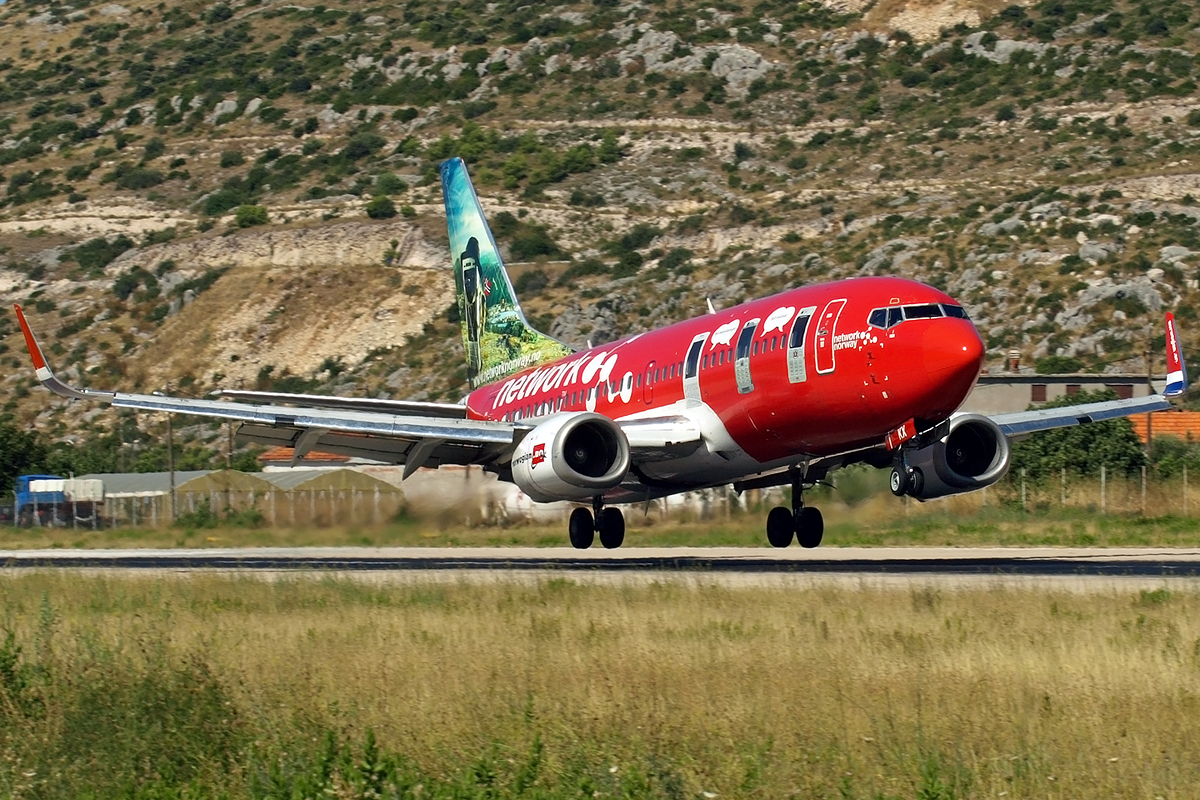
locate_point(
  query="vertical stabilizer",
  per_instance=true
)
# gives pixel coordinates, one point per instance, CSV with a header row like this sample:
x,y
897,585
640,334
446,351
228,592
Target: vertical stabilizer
x,y
496,337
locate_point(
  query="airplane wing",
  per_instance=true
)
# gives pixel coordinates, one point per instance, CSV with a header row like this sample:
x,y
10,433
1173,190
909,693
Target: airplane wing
x,y
391,431
413,434
1019,423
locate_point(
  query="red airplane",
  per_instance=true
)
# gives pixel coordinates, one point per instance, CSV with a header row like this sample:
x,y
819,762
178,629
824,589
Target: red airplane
x,y
777,391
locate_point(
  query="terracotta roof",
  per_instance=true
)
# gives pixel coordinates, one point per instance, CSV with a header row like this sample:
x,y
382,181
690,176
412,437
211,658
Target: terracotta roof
x,y
283,455
1182,424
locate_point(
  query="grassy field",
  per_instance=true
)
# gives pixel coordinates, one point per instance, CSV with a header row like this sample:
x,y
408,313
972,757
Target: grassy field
x,y
311,686
878,521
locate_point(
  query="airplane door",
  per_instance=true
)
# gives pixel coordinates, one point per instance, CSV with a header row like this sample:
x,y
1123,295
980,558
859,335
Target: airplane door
x,y
648,384
691,368
796,361
826,330
741,359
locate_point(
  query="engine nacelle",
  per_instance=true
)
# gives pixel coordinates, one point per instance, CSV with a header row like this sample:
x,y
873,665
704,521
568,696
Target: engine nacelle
x,y
571,456
974,454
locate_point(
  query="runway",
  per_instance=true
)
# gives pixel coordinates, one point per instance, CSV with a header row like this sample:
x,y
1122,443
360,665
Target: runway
x,y
833,561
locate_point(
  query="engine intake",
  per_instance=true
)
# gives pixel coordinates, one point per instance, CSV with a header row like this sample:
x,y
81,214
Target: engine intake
x,y
571,456
974,454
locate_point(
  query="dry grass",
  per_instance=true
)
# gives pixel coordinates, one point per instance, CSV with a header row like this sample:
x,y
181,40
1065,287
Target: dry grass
x,y
742,692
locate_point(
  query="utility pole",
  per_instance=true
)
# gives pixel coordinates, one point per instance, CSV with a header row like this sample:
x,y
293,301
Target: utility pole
x,y
1150,386
171,462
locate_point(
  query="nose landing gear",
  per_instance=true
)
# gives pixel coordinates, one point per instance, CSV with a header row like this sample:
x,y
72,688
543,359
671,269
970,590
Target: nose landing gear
x,y
803,522
608,522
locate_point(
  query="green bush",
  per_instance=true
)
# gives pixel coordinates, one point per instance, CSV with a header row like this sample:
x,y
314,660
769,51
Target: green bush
x,y
389,183
140,178
247,216
381,208
97,254
232,158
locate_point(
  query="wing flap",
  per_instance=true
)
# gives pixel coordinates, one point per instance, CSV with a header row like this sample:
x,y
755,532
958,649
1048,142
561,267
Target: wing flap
x,y
398,407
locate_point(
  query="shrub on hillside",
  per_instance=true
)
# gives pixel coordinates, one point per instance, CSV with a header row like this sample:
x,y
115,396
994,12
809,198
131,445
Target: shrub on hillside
x,y
248,216
381,208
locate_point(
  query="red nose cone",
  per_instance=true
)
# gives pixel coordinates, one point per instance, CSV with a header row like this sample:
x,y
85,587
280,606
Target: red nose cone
x,y
953,357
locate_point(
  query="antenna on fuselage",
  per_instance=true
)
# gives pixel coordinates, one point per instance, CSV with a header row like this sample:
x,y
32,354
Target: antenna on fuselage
x,y
711,310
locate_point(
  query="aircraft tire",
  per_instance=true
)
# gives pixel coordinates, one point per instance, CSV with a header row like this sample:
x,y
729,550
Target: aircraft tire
x,y
581,529
781,526
916,482
611,524
898,482
810,526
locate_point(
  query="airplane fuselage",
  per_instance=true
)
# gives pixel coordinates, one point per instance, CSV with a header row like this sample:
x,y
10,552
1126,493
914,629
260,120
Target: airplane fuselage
x,y
811,371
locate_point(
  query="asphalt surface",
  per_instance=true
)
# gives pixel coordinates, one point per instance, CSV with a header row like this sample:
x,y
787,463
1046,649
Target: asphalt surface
x,y
847,561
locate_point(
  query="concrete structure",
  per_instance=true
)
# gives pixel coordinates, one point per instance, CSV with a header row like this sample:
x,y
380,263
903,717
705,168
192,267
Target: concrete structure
x,y
1002,392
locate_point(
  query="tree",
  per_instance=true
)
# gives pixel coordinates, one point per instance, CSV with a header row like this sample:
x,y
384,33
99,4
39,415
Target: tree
x,y
248,216
381,208
21,453
1080,449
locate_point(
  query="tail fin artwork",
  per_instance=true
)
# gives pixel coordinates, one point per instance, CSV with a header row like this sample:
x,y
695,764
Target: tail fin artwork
x,y
497,338
1177,381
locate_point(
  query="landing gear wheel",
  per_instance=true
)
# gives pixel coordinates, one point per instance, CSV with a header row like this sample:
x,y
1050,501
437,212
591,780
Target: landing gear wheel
x,y
916,480
898,482
611,524
810,526
780,526
581,529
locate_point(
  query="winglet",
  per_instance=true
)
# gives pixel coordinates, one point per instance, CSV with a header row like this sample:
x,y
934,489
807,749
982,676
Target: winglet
x,y
1177,381
35,349
43,371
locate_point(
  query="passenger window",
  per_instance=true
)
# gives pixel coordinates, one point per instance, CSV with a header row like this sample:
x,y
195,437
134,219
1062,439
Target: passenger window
x,y
895,317
878,318
928,311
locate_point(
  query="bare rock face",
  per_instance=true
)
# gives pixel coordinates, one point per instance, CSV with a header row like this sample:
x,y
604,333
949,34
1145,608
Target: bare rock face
x,y
350,243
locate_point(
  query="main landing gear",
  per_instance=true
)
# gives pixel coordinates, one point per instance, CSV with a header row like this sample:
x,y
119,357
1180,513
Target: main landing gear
x,y
905,479
608,522
803,522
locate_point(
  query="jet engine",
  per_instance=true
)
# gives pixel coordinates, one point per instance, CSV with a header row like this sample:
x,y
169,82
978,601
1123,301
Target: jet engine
x,y
974,454
571,456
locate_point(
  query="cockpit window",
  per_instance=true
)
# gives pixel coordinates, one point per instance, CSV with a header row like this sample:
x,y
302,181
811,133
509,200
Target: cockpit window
x,y
954,311
894,316
927,311
878,318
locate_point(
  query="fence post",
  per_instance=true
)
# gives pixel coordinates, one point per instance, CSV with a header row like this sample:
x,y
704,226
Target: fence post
x,y
1103,489
1143,490
375,518
1024,504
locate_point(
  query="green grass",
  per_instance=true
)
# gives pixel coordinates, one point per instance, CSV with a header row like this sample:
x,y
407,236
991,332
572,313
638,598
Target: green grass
x,y
878,522
218,686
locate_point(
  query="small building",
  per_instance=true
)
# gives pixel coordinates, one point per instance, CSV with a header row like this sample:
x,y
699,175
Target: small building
x,y
1002,392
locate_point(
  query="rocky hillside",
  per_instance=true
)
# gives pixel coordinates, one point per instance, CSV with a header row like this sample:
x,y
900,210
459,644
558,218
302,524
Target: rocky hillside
x,y
221,194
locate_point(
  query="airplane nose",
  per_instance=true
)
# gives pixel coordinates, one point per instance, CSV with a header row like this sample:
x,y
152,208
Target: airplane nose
x,y
953,355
